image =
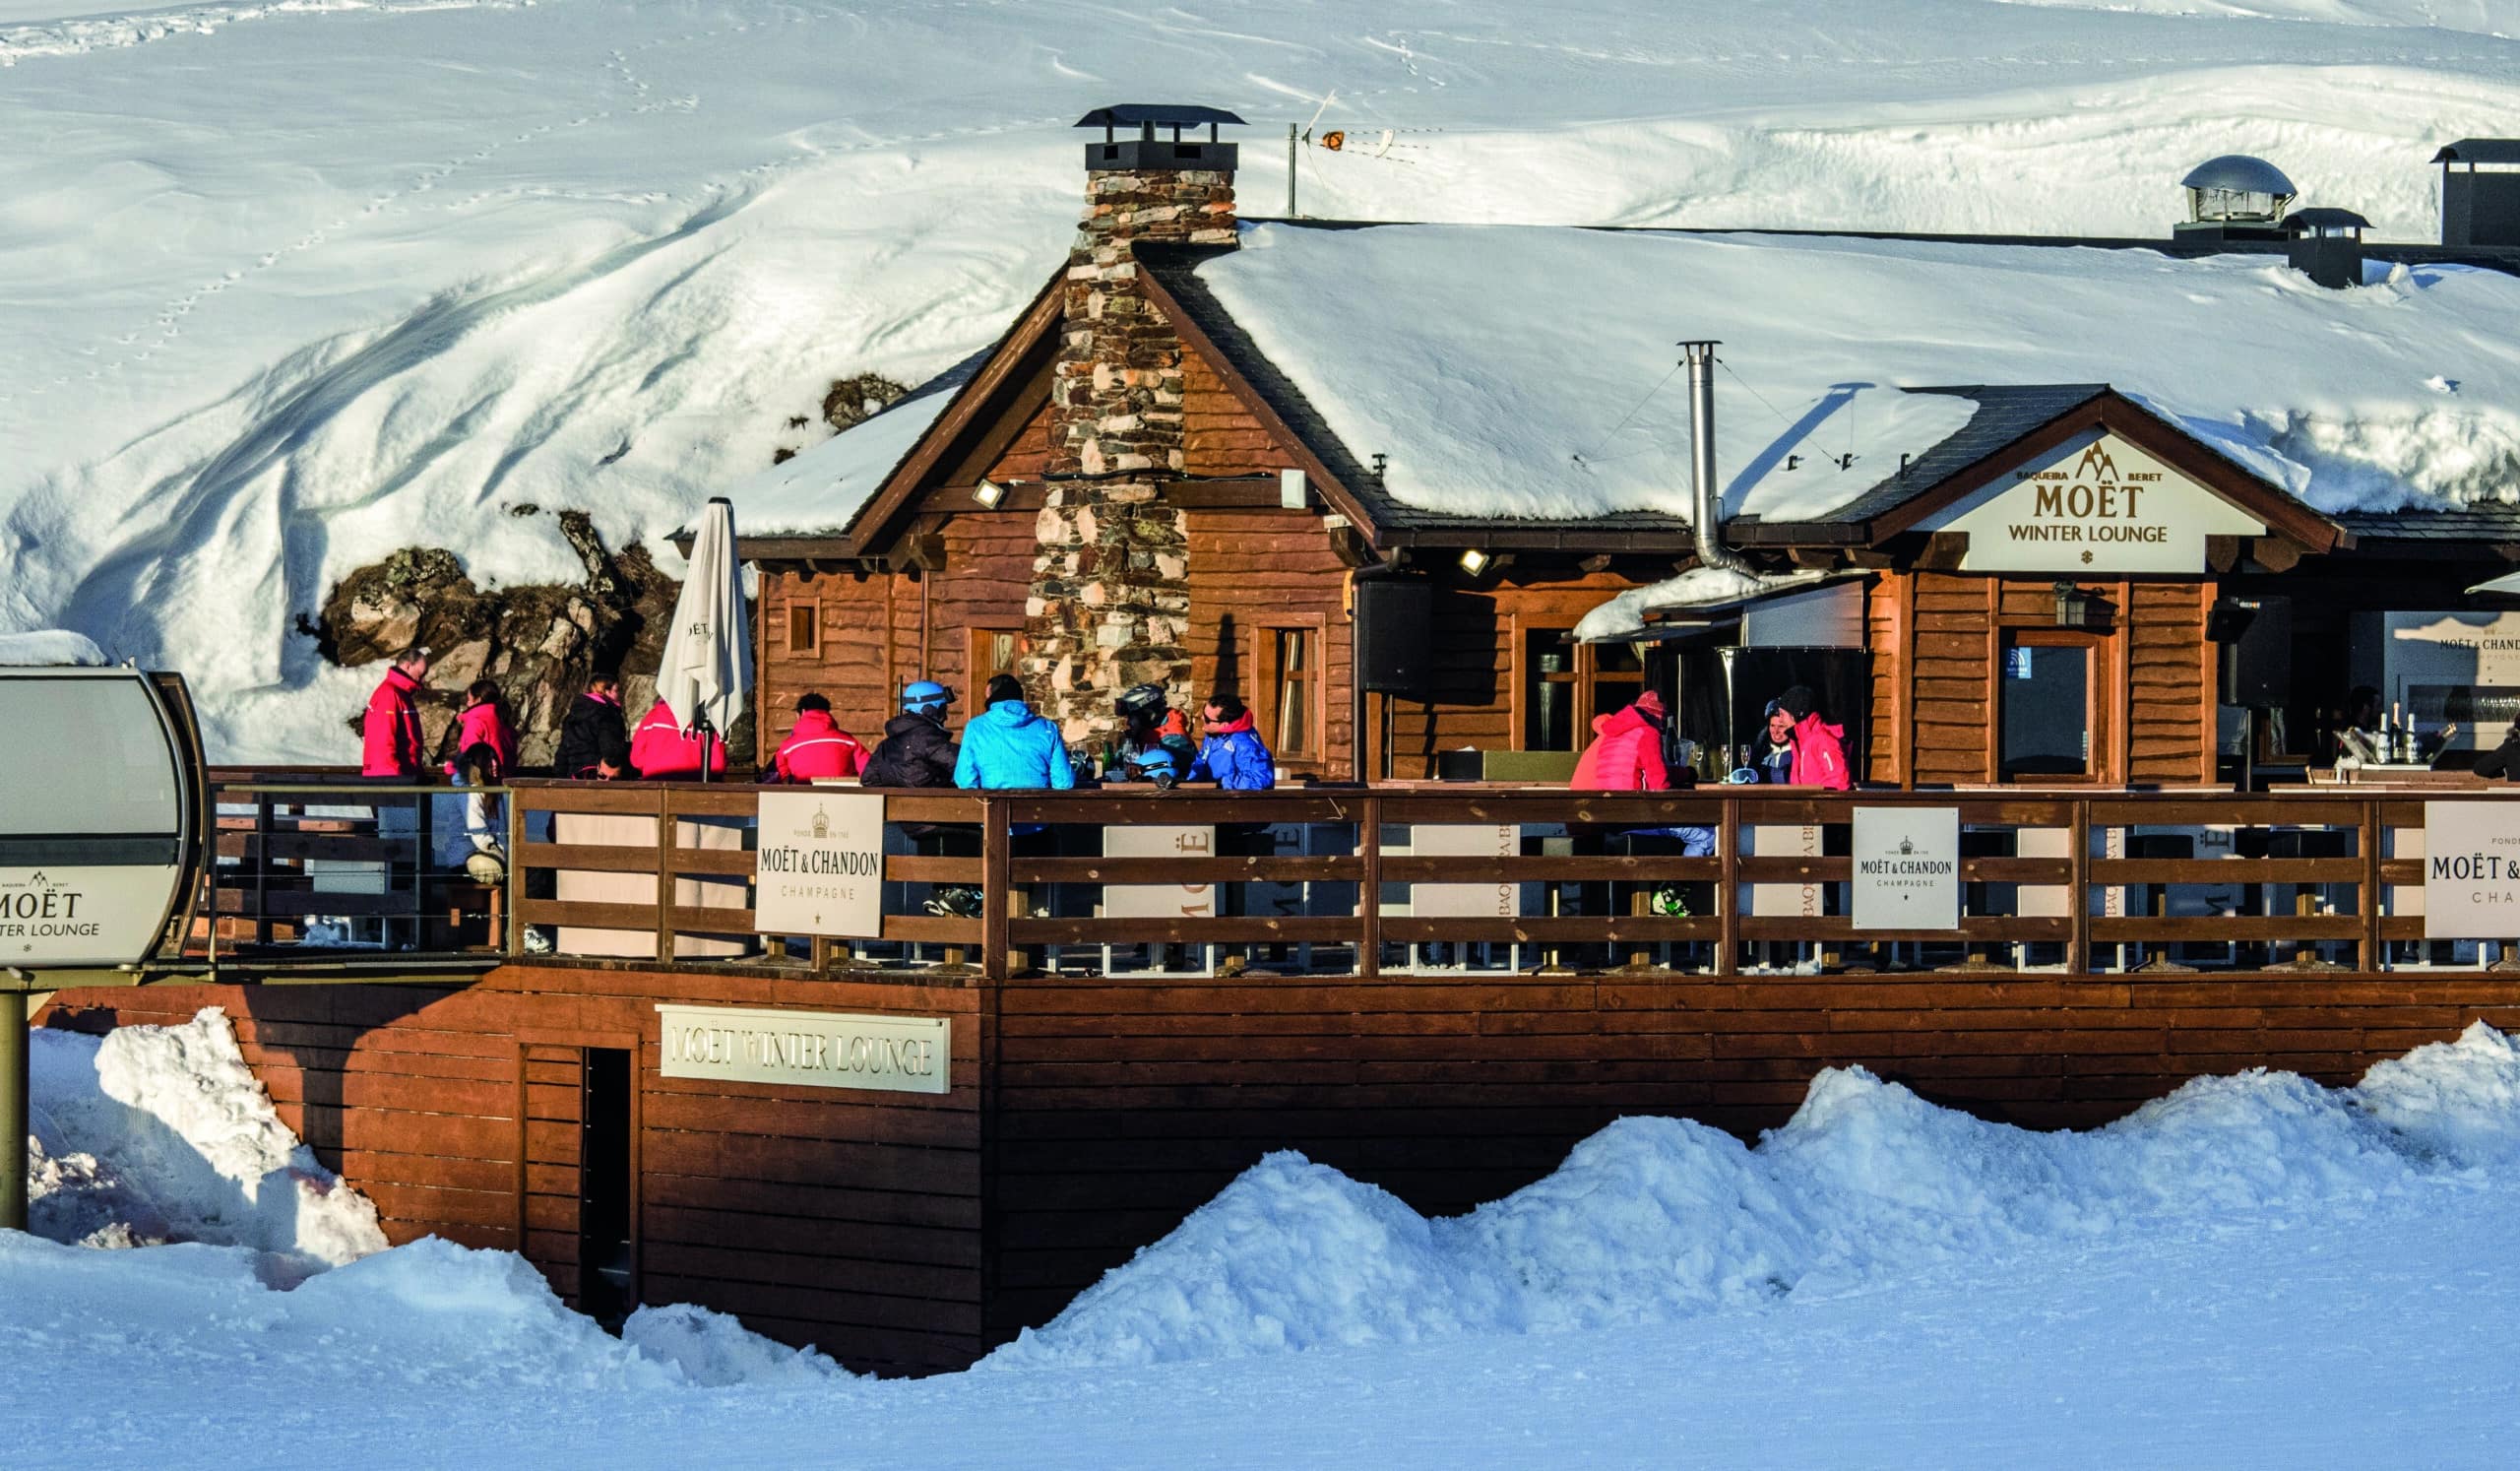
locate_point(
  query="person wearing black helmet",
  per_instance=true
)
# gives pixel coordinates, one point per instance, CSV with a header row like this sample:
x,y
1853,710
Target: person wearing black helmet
x,y
1155,742
915,751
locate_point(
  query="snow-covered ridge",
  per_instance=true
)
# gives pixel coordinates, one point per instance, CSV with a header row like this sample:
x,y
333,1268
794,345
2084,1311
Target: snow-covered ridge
x,y
1653,1220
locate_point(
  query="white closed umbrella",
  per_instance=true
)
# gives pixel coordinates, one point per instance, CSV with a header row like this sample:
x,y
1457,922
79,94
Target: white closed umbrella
x,y
2508,582
708,662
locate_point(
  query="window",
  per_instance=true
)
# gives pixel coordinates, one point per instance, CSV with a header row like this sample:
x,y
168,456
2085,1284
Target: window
x,y
995,651
1291,692
804,628
2047,715
1566,684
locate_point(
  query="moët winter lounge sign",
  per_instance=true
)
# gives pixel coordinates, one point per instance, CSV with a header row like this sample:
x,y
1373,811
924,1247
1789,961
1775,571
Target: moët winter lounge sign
x,y
805,1049
2096,503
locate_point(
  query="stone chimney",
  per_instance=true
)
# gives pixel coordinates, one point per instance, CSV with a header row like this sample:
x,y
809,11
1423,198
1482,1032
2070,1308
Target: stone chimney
x,y
1110,603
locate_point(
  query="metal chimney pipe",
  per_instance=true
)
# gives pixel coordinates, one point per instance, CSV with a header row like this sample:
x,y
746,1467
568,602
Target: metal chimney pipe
x,y
1705,501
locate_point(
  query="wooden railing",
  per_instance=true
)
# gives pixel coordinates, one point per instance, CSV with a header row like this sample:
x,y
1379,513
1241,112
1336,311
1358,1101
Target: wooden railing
x,y
1346,880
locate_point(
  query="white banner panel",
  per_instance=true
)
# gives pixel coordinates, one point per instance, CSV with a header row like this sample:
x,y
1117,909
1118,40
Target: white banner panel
x,y
82,916
1158,900
2471,870
1906,868
820,869
1802,901
1466,901
806,1049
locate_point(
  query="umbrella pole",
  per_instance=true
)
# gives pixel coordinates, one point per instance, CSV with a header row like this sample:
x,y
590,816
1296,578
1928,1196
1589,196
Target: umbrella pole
x,y
705,734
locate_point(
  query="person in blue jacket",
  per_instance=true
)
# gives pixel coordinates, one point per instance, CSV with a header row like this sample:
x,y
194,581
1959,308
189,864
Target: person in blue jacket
x,y
1008,747
1232,754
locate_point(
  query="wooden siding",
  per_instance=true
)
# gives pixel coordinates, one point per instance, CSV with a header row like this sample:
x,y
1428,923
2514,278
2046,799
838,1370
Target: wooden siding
x,y
1028,458
1251,571
1219,435
847,1219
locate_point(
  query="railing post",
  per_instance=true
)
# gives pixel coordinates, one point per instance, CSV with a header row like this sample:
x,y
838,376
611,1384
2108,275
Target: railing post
x,y
2078,908
997,890
1727,888
665,841
1369,888
2369,955
423,857
259,854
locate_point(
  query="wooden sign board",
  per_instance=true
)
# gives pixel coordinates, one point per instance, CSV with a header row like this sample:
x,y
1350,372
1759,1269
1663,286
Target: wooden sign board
x,y
805,1049
820,868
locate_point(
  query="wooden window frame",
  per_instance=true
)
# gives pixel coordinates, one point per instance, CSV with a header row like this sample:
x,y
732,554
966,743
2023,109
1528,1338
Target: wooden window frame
x,y
2103,693
1583,678
1263,698
812,610
975,642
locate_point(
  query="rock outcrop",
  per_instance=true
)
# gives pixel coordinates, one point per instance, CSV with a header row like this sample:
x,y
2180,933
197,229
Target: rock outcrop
x,y
540,642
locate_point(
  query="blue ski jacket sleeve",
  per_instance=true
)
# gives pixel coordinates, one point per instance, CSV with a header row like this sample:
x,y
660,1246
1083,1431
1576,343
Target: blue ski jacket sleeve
x,y
1237,761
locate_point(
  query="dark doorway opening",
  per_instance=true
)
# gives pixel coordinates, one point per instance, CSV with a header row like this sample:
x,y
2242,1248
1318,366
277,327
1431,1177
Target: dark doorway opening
x,y
607,1264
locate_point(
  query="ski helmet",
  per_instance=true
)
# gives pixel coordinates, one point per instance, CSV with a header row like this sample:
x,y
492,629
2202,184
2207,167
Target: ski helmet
x,y
1141,701
925,697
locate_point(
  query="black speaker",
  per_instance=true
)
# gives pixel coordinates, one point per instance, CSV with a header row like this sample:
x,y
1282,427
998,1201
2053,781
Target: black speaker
x,y
1395,636
2256,635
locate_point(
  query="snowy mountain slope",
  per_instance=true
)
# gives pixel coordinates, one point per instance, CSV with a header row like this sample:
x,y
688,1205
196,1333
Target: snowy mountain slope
x,y
288,286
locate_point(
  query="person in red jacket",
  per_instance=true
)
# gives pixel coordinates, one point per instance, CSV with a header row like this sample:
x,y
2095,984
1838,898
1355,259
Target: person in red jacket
x,y
484,721
1626,753
662,751
1819,749
390,733
818,749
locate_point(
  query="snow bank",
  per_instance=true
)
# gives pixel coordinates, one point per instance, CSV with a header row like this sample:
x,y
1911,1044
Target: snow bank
x,y
154,1134
1654,1219
51,648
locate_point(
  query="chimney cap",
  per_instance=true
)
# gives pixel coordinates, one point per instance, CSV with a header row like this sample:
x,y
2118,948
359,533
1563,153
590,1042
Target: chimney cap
x,y
1161,114
2319,220
2479,150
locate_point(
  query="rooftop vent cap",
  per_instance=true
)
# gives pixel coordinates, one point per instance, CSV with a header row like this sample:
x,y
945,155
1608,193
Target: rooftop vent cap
x,y
2475,151
2237,189
2321,220
1146,151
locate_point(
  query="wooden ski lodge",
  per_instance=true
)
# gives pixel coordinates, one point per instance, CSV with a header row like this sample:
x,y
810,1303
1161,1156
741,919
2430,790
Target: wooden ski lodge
x,y
2156,707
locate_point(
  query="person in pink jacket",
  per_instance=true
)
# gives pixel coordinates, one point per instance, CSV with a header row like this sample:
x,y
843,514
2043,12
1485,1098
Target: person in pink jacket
x,y
390,733
1819,749
1626,753
662,752
484,721
817,749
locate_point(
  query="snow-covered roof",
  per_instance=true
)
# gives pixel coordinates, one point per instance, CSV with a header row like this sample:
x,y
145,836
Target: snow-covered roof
x,y
1529,372
819,491
51,648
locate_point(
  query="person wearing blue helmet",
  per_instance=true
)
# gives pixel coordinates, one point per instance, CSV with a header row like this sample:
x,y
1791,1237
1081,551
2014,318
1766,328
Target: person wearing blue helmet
x,y
915,752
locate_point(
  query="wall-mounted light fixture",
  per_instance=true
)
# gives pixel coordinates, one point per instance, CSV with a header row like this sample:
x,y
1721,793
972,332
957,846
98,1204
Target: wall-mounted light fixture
x,y
1292,489
988,493
2073,606
1479,562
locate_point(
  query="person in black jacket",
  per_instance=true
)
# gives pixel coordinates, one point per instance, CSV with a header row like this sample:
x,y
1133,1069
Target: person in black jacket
x,y
915,752
595,738
2503,760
